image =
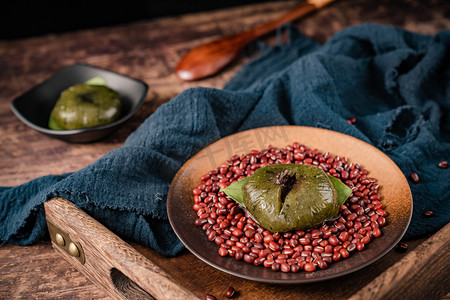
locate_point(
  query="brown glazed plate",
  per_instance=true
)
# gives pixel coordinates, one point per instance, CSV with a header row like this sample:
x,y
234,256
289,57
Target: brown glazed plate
x,y
394,190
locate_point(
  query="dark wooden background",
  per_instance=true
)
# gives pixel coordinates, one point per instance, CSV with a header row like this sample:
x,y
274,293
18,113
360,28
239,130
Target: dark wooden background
x,y
148,50
24,18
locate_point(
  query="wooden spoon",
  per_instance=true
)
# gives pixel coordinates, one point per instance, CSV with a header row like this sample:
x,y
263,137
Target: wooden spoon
x,y
208,59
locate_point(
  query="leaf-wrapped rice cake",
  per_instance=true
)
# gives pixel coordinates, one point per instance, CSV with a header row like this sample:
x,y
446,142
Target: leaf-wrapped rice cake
x,y
290,197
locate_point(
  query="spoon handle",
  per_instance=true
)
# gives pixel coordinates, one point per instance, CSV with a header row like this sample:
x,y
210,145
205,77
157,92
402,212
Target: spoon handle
x,y
298,12
207,59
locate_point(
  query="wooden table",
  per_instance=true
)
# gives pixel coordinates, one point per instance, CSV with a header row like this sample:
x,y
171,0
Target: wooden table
x,y
150,50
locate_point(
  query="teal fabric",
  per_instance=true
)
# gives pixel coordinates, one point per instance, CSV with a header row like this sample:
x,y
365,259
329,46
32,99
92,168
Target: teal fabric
x,y
395,83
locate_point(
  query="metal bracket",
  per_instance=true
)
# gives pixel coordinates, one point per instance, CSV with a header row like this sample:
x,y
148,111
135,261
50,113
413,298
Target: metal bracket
x,y
63,241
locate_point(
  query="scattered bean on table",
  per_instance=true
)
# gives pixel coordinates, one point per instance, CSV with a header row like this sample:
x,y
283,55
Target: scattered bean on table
x,y
230,292
428,213
402,246
415,177
443,164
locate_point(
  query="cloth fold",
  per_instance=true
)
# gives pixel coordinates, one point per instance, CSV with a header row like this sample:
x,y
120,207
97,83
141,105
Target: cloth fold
x,y
394,82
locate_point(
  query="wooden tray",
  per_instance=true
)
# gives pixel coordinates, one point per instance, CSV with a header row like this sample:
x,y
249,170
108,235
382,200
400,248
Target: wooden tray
x,y
131,271
127,271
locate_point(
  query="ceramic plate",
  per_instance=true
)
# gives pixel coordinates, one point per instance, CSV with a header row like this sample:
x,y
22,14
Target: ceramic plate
x,y
395,192
34,106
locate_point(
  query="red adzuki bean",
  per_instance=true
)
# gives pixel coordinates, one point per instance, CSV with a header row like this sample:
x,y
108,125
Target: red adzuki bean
x,y
309,267
351,120
415,177
230,292
443,164
402,246
428,213
360,221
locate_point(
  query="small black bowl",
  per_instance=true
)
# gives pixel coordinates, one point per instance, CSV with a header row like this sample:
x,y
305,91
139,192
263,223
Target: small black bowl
x,y
34,107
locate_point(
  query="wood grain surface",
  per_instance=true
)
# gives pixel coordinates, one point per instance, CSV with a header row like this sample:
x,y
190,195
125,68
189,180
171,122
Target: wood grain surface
x,y
110,262
149,50
406,276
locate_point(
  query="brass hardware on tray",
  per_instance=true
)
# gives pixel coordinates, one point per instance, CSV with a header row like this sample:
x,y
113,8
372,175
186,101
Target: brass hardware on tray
x,y
63,241
59,239
73,250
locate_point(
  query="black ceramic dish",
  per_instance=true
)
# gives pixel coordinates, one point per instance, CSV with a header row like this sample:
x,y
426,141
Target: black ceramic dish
x,y
34,106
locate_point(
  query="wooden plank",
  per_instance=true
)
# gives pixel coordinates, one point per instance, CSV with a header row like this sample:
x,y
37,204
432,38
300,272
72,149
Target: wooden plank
x,y
110,263
38,272
422,274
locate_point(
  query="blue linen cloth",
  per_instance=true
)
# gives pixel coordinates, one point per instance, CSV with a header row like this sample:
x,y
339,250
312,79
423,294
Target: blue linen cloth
x,y
395,83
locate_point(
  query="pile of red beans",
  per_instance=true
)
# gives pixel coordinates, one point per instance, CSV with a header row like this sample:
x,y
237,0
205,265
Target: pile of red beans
x,y
239,236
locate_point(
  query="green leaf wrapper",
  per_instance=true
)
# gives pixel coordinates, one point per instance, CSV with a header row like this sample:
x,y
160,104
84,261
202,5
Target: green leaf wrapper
x,y
234,191
289,197
342,190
